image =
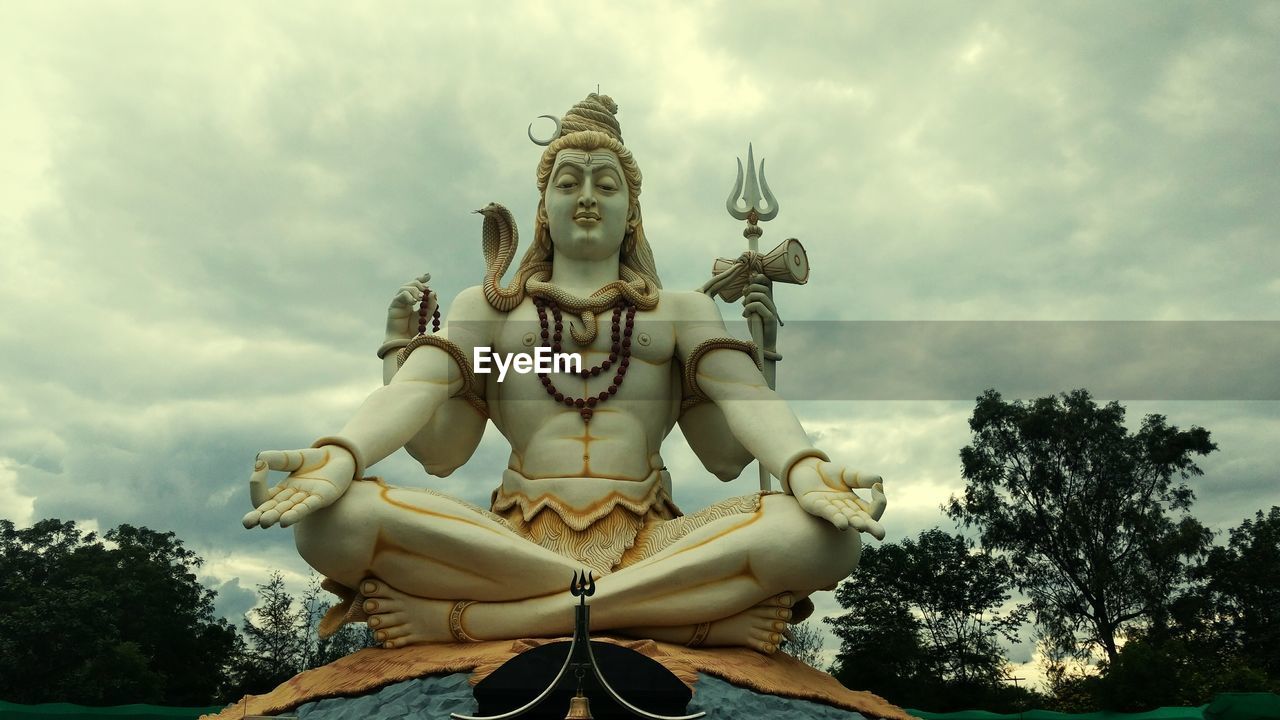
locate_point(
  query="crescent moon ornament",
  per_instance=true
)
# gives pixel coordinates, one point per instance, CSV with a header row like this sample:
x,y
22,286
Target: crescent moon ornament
x,y
554,135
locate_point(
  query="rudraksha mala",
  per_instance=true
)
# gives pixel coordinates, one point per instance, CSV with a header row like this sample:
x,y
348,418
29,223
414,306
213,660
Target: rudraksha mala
x,y
422,314
619,354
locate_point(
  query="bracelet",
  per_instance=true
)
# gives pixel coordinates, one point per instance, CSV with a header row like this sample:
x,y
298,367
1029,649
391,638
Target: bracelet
x,y
795,458
390,345
349,446
706,346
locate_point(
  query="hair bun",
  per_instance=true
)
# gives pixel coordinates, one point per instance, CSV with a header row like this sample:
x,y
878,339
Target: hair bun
x,y
595,112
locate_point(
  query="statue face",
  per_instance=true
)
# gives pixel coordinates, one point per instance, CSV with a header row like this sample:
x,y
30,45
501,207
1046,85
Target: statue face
x,y
587,202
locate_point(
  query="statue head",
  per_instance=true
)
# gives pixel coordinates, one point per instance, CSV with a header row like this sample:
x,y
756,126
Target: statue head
x,y
589,134
587,205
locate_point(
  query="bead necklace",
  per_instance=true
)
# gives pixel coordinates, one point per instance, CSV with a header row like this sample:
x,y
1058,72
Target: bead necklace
x,y
422,314
619,352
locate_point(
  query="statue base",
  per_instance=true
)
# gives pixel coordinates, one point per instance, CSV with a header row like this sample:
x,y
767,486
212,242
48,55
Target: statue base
x,y
637,678
435,680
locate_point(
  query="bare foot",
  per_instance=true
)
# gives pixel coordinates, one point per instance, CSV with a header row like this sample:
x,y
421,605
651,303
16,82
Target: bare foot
x,y
399,619
759,628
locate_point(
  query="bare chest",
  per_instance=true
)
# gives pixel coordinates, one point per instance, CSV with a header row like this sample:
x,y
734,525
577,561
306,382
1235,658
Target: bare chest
x,y
647,339
615,374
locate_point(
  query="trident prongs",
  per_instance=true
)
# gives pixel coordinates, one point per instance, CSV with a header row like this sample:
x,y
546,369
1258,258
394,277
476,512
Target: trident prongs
x,y
584,585
580,658
750,199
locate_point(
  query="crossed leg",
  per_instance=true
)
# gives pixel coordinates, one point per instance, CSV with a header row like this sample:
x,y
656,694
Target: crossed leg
x,y
414,554
427,545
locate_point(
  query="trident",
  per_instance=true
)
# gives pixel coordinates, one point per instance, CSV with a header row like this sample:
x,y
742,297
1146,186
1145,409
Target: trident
x,y
786,263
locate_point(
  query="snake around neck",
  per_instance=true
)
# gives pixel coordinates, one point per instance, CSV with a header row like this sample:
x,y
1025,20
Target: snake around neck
x,y
499,239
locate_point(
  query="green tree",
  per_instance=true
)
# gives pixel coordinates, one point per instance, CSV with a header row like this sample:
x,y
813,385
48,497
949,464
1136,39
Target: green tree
x,y
1221,634
275,634
281,637
106,623
1242,593
925,623
881,641
318,651
1092,516
805,644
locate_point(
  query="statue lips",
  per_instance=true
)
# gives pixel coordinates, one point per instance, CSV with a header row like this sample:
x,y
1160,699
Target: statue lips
x,y
587,218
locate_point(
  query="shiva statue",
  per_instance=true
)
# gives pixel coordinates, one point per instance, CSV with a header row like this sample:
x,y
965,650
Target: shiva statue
x,y
585,486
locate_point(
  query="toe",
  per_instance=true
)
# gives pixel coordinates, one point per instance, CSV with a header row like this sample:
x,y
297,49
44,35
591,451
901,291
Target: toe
x,y
371,588
767,614
774,613
402,641
395,632
761,646
766,637
382,606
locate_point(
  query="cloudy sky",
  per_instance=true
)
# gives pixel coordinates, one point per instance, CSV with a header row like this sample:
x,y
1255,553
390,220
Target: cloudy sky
x,y
205,209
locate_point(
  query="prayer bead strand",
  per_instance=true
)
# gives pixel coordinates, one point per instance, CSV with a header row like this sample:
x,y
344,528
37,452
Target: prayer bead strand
x,y
619,352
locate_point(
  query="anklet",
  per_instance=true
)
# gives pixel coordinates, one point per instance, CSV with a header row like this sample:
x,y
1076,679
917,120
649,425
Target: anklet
x,y
455,621
699,635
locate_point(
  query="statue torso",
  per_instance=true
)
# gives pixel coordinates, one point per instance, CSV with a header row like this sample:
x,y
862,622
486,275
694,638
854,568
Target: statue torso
x,y
623,437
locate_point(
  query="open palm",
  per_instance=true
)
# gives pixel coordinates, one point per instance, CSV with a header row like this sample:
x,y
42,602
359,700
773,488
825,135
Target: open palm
x,y
826,490
317,477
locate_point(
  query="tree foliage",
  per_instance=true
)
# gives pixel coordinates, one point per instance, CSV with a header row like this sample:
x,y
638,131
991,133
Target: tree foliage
x,y
124,619
805,644
1222,634
97,623
281,637
1240,594
275,640
318,651
1092,516
925,623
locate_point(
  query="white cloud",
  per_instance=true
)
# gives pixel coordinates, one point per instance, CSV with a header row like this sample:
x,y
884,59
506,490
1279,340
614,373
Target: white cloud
x,y
14,506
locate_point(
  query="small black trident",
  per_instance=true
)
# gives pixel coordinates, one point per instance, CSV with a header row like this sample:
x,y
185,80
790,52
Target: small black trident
x,y
580,659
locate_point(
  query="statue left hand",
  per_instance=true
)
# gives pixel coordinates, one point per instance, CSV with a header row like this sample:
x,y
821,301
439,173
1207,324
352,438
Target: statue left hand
x,y
826,490
317,477
402,319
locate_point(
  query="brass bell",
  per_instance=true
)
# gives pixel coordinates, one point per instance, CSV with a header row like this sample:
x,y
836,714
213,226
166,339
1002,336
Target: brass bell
x,y
579,708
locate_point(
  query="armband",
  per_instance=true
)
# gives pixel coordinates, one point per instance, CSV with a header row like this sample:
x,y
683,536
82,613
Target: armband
x,y
695,394
460,358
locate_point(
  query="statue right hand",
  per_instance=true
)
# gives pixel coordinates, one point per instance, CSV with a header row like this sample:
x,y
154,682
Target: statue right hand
x,y
317,477
757,301
826,490
402,319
